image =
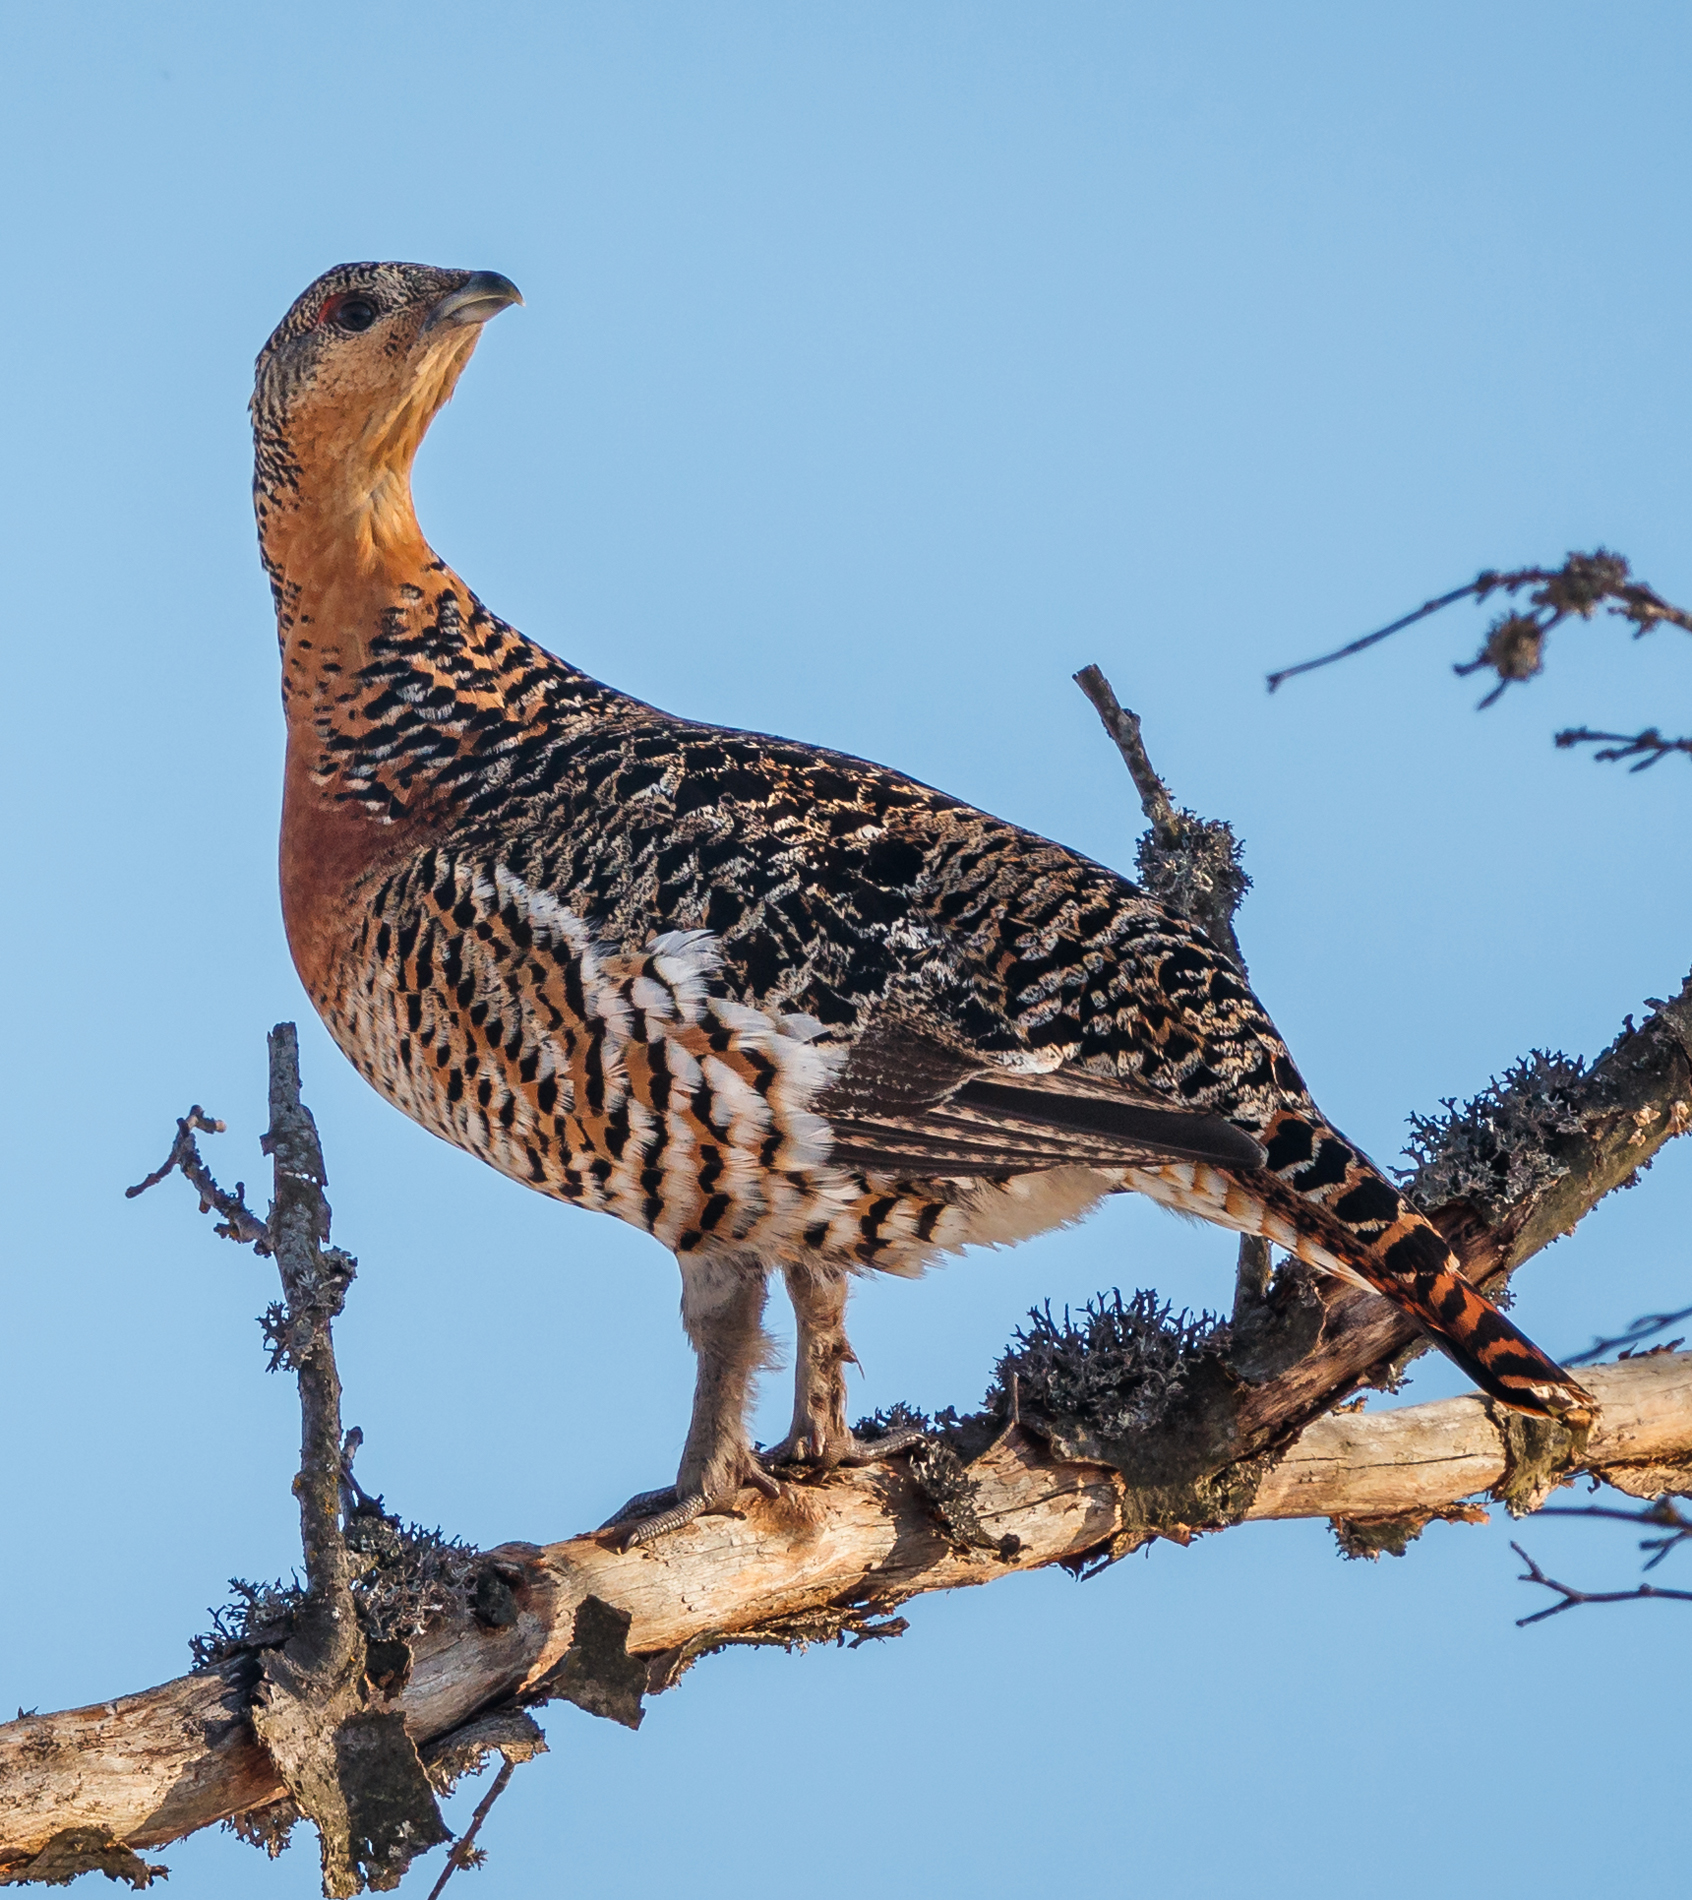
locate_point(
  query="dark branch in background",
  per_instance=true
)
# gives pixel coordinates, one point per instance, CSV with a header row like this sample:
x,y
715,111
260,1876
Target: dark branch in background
x,y
1663,1513
1514,648
1649,746
1642,1329
464,1852
1570,1597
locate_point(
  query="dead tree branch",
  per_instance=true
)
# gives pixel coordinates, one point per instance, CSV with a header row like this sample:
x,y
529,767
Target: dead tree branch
x,y
1647,1326
322,1702
603,1628
1648,747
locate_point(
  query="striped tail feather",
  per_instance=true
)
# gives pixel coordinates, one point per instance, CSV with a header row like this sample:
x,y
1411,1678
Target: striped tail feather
x,y
1353,1223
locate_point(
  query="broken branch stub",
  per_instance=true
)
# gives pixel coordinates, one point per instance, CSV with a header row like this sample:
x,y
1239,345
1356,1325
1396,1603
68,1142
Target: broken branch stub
x,y
325,1697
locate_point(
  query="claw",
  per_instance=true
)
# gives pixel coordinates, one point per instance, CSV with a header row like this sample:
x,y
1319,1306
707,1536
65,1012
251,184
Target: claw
x,y
871,1451
653,1514
761,1481
639,1506
814,1449
682,1512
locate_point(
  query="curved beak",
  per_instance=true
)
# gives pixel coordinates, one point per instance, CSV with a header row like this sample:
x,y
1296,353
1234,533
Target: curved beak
x,y
482,295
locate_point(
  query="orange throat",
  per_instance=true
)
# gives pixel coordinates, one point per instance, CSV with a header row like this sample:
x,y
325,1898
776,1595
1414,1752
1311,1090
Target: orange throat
x,y
353,585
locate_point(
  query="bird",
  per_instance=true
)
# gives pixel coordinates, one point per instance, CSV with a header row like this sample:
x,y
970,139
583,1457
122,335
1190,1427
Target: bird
x,y
783,1009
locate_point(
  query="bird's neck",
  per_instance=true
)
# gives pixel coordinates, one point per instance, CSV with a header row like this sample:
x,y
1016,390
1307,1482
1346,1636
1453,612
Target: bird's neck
x,y
342,546
405,698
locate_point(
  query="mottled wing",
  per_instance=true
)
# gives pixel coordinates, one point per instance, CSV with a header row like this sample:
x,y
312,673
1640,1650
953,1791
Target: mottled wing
x,y
908,1103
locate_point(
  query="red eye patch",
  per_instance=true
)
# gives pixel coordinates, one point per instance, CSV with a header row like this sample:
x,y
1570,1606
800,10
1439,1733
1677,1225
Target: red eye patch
x,y
349,310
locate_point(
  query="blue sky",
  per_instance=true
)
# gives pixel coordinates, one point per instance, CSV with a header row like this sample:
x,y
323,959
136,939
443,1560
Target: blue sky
x,y
881,365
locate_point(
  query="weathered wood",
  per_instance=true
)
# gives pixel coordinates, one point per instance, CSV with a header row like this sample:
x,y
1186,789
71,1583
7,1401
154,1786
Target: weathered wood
x,y
149,1768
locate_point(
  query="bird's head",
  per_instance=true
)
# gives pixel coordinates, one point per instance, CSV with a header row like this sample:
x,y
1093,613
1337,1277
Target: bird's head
x,y
355,372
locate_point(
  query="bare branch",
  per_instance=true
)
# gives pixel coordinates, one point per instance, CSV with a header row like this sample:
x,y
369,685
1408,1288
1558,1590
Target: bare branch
x,y
240,1223
1514,647
1649,746
1642,1329
1383,633
1661,1512
1571,1597
464,1852
1191,863
1124,727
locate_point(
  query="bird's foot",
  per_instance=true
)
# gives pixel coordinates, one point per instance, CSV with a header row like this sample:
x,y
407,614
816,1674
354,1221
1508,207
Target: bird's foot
x,y
649,1515
825,1450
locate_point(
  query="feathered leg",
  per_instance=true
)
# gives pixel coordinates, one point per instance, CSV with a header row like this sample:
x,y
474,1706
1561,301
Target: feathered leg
x,y
722,1311
820,1435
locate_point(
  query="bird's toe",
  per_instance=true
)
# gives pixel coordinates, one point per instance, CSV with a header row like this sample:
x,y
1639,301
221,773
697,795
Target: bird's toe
x,y
653,1514
823,1451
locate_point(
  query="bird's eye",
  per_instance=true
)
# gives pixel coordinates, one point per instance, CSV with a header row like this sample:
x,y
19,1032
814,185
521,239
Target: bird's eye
x,y
355,313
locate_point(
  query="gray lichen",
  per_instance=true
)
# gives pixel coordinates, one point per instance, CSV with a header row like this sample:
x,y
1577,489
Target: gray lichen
x,y
269,1828
406,1578
1116,1367
75,1851
1499,1148
1198,867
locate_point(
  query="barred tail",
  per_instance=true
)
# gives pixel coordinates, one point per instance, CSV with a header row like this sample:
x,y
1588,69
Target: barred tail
x,y
1324,1202
1414,1266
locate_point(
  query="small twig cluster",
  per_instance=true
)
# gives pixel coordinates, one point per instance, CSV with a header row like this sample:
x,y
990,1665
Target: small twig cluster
x,y
1193,864
1648,747
239,1222
1662,1513
1569,1597
1514,647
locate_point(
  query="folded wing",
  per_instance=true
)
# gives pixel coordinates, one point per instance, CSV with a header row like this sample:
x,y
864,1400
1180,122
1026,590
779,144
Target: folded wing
x,y
907,1103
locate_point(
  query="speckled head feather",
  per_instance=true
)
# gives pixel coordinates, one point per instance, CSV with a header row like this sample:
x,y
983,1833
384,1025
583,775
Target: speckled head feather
x,y
399,297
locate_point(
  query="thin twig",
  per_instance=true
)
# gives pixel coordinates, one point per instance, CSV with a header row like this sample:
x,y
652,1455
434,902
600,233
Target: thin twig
x,y
1570,1596
1514,647
1642,1328
1622,745
240,1223
464,1853
1124,727
1662,1512
1370,639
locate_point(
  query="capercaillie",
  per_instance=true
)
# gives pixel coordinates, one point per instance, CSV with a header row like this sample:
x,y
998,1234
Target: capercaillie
x,y
779,1007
